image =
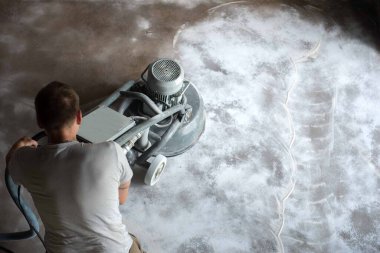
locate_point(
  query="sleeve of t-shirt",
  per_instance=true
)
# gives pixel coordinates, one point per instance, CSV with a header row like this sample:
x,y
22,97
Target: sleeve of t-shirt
x,y
126,171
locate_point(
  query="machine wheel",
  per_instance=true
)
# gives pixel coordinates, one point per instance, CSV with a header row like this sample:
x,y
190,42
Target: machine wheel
x,y
155,170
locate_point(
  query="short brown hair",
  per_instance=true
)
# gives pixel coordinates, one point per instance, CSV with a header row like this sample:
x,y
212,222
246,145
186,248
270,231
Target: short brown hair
x,y
56,105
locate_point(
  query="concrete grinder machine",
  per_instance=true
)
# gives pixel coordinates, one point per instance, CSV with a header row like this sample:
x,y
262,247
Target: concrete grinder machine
x,y
158,116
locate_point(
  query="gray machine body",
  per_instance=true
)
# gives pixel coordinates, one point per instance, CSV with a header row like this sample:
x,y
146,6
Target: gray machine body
x,y
104,124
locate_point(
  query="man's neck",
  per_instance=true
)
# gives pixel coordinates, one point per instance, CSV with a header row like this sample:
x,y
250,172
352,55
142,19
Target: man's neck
x,y
53,140
61,136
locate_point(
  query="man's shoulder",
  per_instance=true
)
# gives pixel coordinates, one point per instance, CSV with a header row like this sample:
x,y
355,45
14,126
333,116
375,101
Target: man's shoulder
x,y
107,146
24,152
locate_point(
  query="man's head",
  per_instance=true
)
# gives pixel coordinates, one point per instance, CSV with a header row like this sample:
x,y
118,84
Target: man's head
x,y
57,107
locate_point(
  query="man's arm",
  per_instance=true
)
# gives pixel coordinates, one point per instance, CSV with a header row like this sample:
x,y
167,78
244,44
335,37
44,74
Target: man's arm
x,y
123,192
23,142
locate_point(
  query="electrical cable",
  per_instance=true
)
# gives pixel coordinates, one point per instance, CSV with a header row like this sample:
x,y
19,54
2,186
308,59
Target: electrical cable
x,y
311,54
165,124
159,144
138,117
146,116
30,224
148,123
142,97
6,250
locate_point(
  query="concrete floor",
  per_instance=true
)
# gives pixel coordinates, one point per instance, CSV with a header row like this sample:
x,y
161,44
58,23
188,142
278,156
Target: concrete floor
x,y
290,159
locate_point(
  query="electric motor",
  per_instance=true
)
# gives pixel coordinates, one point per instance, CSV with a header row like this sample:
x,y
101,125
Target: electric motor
x,y
165,82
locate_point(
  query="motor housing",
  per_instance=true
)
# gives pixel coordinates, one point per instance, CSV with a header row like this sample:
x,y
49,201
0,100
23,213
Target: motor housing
x,y
165,82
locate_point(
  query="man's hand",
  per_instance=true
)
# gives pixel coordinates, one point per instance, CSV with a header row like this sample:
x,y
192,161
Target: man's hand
x,y
123,192
23,142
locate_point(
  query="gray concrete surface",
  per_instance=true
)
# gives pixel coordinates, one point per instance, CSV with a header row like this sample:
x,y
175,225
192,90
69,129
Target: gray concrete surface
x,y
290,159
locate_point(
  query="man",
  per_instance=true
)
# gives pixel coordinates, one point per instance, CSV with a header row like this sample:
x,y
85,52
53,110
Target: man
x,y
76,187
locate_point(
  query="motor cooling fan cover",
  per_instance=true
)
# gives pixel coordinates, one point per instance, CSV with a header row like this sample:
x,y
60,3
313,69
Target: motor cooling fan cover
x,y
165,77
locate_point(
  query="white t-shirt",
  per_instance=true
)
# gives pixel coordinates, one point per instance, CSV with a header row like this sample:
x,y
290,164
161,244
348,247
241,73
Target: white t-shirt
x,y
75,189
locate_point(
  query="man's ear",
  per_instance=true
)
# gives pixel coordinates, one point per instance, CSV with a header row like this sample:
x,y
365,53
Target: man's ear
x,y
79,117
